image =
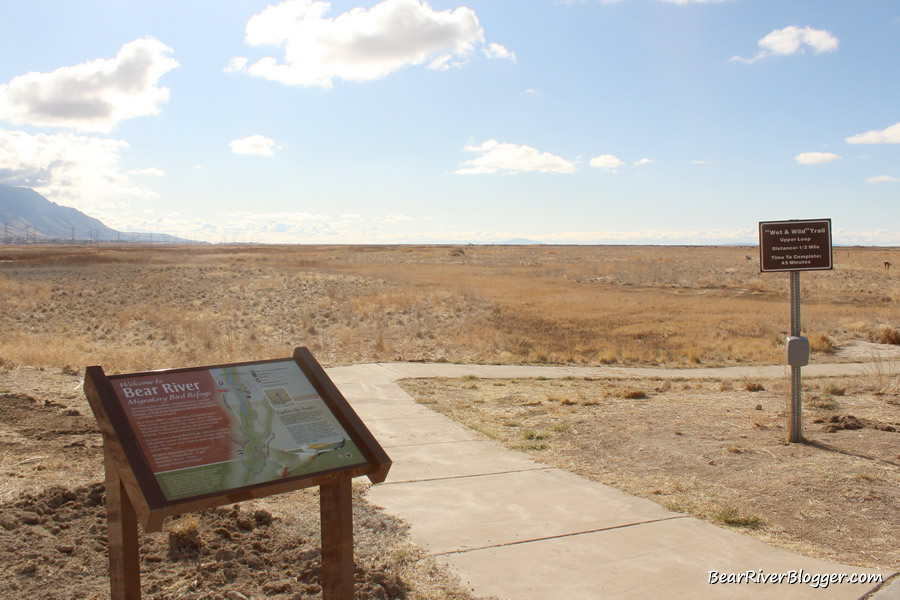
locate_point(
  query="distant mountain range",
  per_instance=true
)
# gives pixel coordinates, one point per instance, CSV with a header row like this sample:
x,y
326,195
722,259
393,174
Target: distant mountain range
x,y
26,216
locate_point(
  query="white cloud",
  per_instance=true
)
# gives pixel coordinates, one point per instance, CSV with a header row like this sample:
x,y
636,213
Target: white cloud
x,y
643,161
150,172
69,169
891,135
653,236
237,64
270,227
815,158
607,162
309,228
700,162
444,62
93,96
791,40
512,158
742,236
279,227
257,145
358,45
494,50
882,179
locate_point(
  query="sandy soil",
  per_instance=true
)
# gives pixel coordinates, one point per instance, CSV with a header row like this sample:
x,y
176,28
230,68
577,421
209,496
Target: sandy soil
x,y
714,449
53,522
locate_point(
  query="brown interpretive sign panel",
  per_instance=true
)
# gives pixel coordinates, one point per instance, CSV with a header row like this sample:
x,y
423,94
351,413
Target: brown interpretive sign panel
x,y
210,430
193,438
801,245
183,440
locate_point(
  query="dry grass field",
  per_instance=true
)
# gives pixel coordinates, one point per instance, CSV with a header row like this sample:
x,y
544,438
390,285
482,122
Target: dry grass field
x,y
141,307
699,447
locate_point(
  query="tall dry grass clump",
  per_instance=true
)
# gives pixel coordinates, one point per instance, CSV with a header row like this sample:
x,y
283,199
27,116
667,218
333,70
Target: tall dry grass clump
x,y
886,334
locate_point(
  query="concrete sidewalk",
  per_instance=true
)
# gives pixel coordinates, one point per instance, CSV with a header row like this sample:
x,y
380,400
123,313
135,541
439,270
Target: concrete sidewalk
x,y
520,530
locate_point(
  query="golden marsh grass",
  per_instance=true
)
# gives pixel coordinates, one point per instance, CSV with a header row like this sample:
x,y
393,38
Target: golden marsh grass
x,y
137,307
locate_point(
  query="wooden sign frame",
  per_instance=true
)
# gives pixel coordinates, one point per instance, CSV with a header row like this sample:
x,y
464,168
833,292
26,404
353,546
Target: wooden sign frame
x,y
134,494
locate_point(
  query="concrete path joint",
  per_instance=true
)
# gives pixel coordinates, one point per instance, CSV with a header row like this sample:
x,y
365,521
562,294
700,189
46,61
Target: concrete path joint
x,y
560,536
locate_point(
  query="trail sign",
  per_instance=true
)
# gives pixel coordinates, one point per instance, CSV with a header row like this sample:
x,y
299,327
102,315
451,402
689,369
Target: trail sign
x,y
803,245
794,246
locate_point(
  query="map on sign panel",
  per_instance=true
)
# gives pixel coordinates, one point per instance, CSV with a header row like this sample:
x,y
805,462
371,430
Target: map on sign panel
x,y
209,430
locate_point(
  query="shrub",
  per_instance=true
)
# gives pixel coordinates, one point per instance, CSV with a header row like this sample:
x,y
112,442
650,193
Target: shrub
x,y
184,537
825,402
753,386
834,390
821,343
887,335
733,517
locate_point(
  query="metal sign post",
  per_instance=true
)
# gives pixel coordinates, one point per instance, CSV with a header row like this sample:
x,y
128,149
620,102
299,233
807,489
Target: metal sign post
x,y
795,431
795,246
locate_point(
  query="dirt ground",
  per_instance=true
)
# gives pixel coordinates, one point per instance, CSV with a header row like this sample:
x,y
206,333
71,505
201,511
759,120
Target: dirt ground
x,y
53,522
714,449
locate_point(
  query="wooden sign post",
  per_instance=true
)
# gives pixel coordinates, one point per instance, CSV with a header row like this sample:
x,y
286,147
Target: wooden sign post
x,y
795,246
184,440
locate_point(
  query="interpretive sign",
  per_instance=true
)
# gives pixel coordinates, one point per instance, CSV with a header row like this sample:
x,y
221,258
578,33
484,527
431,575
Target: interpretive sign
x,y
208,430
803,245
183,440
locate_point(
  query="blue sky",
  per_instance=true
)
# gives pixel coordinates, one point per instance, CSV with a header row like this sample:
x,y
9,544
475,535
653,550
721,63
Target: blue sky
x,y
588,121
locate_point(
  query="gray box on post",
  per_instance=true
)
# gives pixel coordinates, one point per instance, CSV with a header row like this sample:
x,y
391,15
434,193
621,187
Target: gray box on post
x,y
797,350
